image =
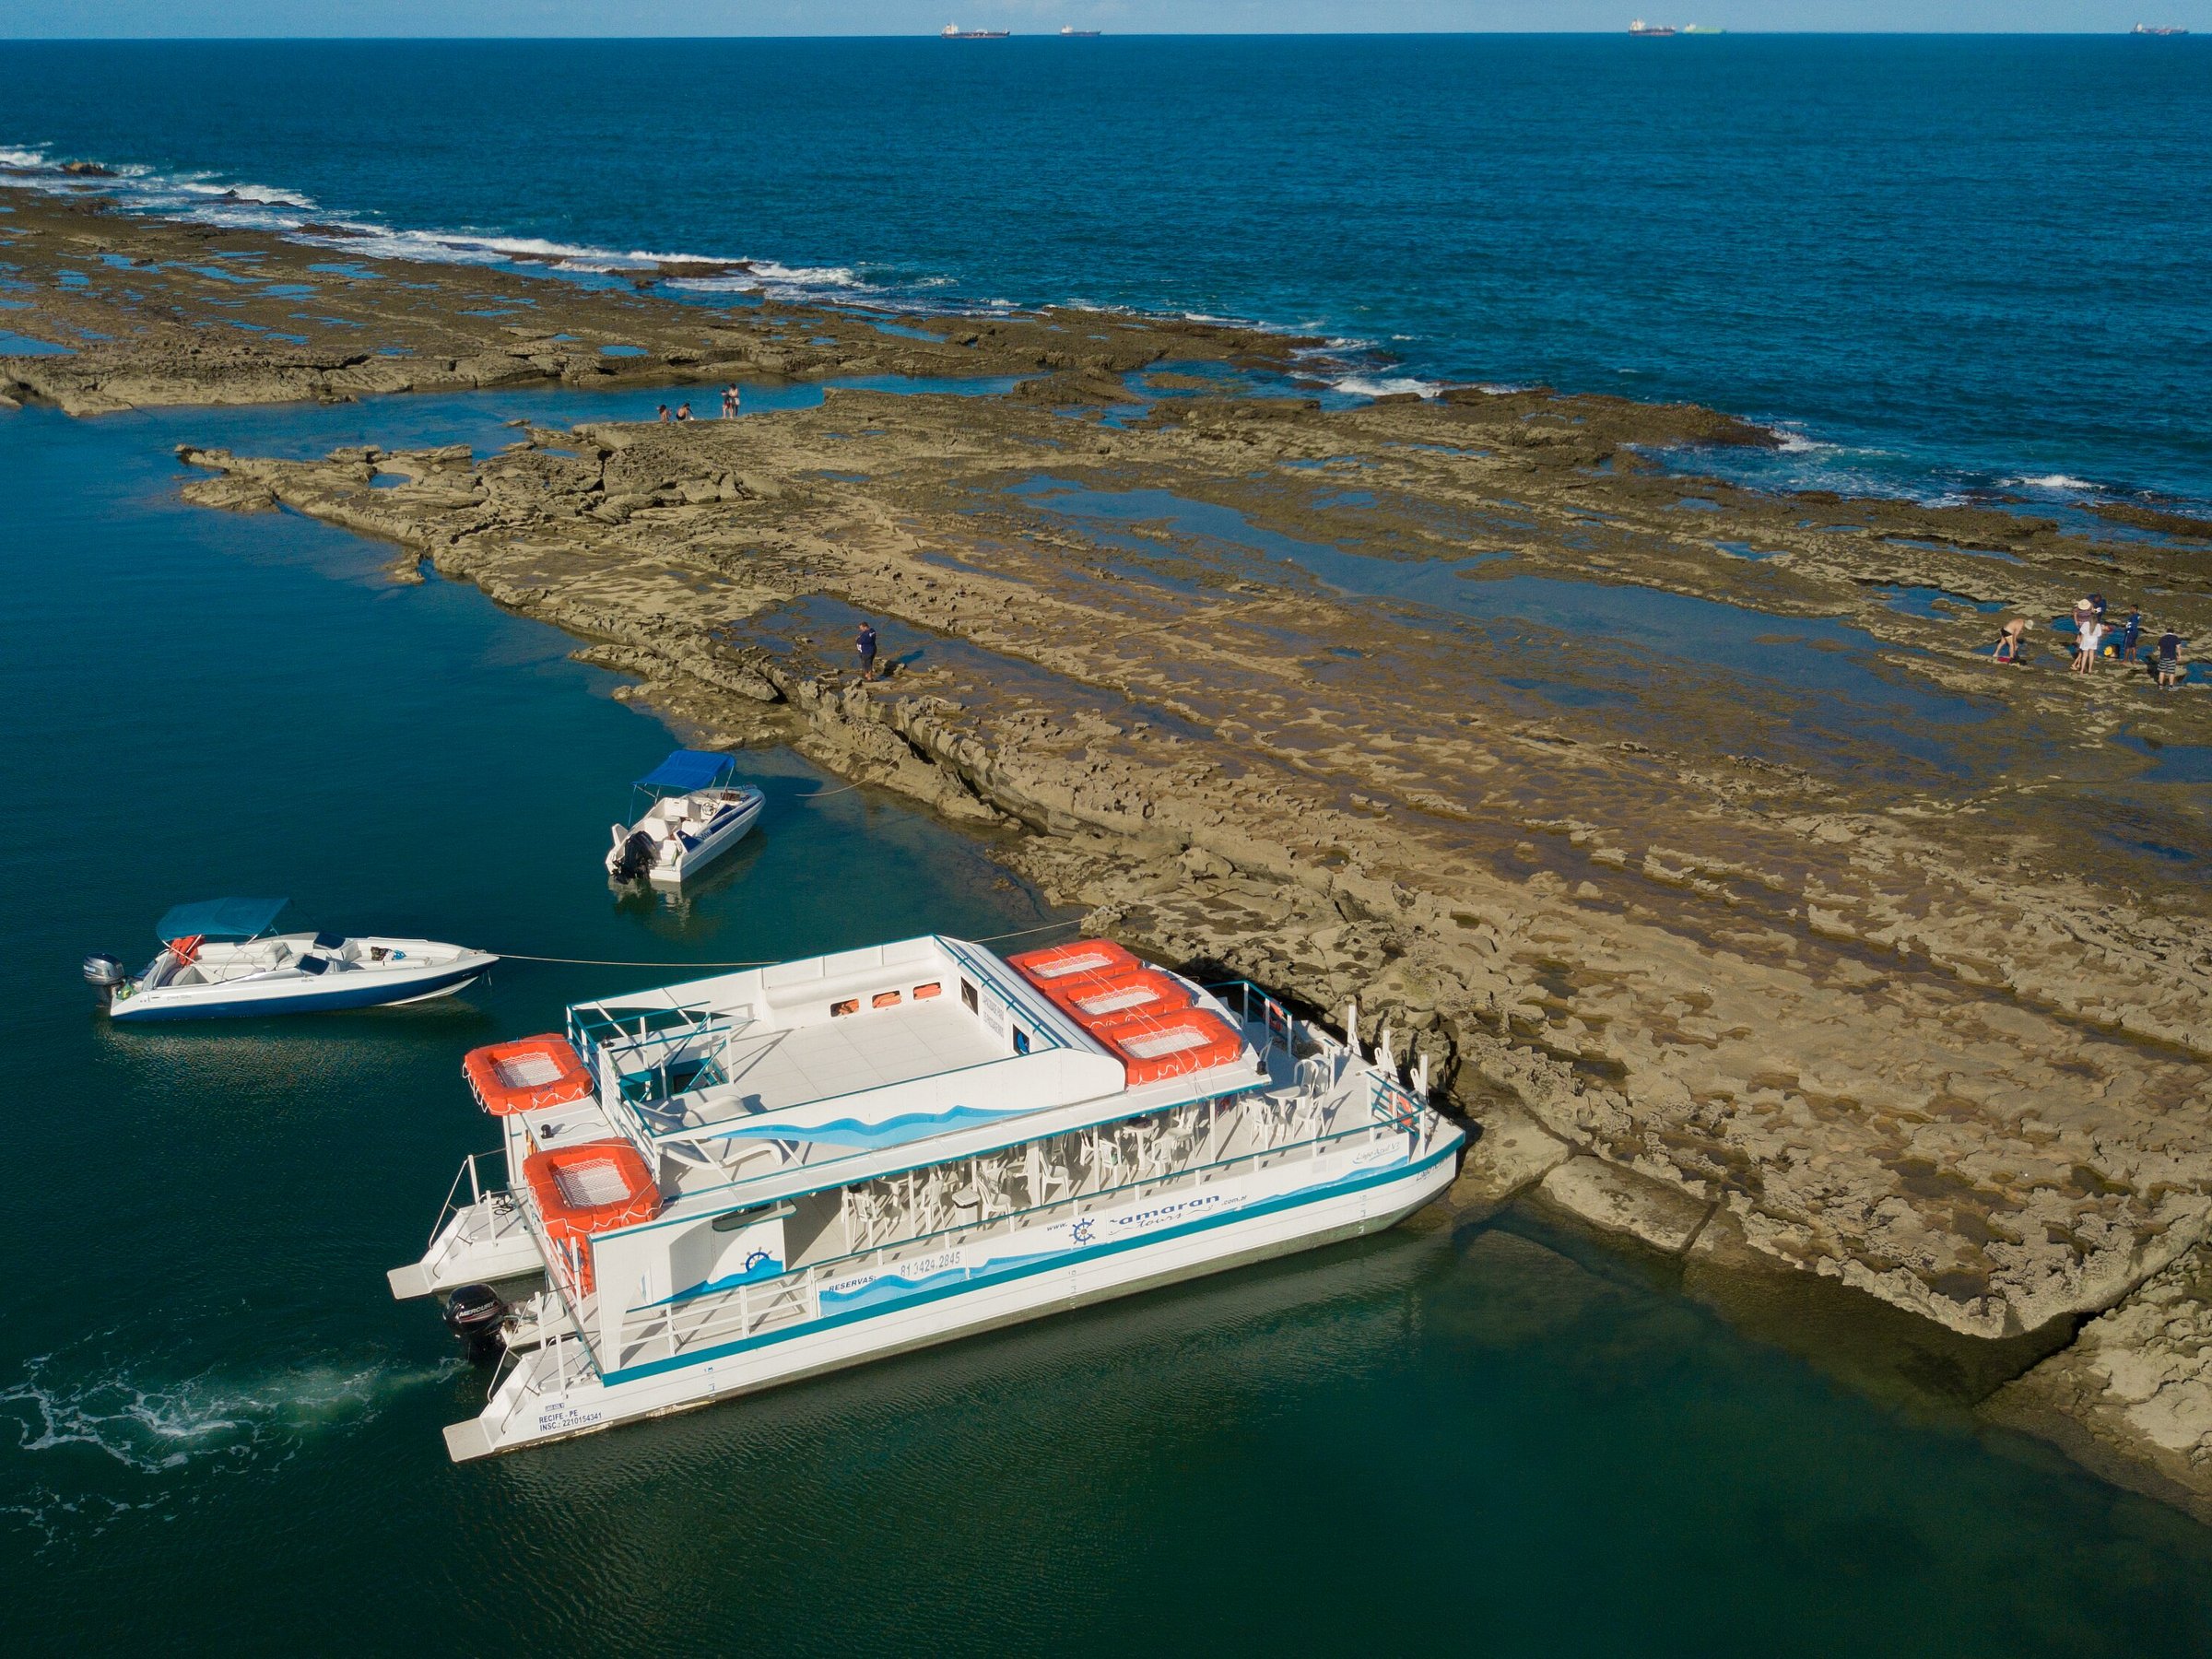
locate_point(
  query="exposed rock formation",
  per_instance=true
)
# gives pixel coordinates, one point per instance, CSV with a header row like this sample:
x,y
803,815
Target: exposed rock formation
x,y
2133,1397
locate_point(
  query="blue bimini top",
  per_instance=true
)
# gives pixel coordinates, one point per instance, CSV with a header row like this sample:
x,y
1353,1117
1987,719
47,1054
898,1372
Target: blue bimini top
x,y
219,919
687,769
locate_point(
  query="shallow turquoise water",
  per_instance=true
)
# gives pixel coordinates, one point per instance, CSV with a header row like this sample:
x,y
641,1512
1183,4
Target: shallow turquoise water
x,y
216,1430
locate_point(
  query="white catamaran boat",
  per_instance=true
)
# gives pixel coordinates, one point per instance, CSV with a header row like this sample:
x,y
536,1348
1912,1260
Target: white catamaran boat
x,y
220,958
719,1187
694,813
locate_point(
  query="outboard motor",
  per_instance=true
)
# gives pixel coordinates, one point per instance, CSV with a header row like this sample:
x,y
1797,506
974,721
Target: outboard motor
x,y
633,856
474,1314
105,974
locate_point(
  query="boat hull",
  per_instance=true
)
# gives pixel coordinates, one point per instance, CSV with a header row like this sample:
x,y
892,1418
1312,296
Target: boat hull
x,y
712,846
523,1411
299,996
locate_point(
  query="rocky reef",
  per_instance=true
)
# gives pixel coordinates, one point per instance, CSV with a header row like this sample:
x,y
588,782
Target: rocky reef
x,y
1749,910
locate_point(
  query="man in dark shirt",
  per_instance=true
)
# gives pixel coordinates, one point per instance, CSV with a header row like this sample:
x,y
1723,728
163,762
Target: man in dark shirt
x,y
2169,658
863,643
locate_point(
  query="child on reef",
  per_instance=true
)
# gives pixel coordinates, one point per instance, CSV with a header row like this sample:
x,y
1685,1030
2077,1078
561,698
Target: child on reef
x,y
2170,659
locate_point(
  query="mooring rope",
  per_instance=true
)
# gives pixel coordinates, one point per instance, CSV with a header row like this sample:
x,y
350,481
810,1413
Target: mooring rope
x,y
517,955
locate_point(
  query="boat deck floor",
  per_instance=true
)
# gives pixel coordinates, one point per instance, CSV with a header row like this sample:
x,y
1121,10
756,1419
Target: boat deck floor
x,y
843,1056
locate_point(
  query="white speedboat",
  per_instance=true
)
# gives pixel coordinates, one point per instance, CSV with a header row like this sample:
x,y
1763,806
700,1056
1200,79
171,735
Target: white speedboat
x,y
720,1186
222,958
694,813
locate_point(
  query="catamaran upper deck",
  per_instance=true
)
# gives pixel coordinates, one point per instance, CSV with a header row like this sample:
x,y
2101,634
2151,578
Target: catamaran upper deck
x,y
761,1085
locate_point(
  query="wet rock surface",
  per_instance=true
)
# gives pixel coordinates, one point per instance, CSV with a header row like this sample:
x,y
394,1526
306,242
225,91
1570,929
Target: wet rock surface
x,y
1685,829
2133,1397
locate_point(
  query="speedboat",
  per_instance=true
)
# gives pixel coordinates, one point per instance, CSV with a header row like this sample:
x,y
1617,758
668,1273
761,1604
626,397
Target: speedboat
x,y
720,1186
694,812
222,958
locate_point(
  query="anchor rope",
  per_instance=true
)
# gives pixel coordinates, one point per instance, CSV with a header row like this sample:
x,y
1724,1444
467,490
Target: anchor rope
x,y
518,956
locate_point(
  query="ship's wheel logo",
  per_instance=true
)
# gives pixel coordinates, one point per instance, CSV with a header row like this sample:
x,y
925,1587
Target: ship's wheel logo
x,y
755,1260
1082,1231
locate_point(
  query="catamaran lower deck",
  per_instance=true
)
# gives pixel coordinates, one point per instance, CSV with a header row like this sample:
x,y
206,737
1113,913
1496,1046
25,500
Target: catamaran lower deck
x,y
1300,1142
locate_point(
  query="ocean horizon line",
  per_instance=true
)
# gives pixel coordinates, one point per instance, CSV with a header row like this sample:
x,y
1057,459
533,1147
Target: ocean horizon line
x,y
1619,32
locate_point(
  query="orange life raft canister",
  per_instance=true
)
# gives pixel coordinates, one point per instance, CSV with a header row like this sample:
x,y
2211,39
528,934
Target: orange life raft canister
x,y
525,1074
1153,1046
591,1187
1097,999
1055,963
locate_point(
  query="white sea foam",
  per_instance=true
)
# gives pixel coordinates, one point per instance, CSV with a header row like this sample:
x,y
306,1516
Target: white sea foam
x,y
2052,481
1362,386
152,1428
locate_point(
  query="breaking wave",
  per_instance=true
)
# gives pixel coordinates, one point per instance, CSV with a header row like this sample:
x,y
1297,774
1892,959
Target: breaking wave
x,y
207,198
1351,366
1367,385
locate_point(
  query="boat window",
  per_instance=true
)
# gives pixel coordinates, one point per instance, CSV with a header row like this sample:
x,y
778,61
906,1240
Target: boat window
x,y
850,1005
885,999
738,1220
1021,1041
968,995
924,993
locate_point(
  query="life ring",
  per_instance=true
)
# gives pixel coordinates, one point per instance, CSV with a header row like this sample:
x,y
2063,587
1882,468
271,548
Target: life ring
x,y
527,1075
592,1187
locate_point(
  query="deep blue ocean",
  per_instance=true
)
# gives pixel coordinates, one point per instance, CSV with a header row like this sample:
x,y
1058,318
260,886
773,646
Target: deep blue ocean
x,y
1949,263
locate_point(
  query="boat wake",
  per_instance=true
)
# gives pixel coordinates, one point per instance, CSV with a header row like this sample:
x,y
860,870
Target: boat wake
x,y
121,1441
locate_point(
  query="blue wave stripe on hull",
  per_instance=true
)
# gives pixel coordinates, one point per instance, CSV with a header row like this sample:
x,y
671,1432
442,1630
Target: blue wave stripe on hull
x,y
854,1132
1352,1184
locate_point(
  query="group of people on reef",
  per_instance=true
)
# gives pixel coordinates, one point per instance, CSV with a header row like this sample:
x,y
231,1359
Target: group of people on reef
x,y
2095,638
730,397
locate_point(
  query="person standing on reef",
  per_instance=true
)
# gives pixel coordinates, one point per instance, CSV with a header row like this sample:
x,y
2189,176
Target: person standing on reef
x,y
732,401
2085,647
2170,659
863,645
663,414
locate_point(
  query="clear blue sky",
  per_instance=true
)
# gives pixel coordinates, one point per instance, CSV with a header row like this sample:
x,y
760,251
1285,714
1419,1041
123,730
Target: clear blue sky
x,y
173,17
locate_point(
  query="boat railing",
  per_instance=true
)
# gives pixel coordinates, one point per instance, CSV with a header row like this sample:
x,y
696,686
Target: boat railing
x,y
664,1330
471,1176
552,1358
1256,1007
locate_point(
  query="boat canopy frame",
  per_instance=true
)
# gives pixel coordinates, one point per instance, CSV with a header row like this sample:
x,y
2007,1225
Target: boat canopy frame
x,y
688,770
